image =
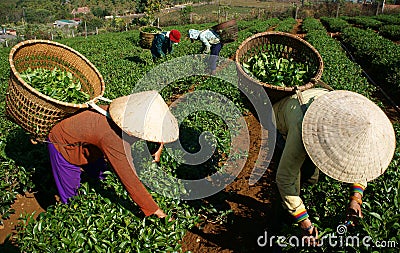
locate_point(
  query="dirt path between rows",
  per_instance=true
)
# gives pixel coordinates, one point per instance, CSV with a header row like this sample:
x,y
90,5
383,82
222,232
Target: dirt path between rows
x,y
251,209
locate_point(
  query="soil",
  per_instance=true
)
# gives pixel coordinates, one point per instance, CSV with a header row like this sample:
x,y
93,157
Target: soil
x,y
251,205
24,204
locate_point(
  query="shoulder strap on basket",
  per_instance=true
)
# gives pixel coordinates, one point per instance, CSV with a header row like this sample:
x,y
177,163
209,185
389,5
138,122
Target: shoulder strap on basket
x,y
303,106
322,84
300,96
98,108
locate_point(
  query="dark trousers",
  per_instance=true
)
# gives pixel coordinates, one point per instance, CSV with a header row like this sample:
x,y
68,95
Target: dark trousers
x,y
215,49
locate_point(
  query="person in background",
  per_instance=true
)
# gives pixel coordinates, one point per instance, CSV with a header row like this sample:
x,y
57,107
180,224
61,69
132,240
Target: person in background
x,y
338,134
211,45
163,43
86,140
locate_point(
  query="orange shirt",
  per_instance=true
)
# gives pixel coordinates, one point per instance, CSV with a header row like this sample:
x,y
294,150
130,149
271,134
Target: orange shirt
x,y
93,135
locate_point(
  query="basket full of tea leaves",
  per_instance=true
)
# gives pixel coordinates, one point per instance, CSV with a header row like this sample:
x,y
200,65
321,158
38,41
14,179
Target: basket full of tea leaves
x,y
280,62
48,82
147,34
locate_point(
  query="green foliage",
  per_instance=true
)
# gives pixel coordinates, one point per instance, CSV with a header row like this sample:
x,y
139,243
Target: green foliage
x,y
149,8
391,32
379,53
365,22
334,24
47,11
90,23
14,178
339,71
388,19
38,16
150,29
312,24
100,12
95,223
286,25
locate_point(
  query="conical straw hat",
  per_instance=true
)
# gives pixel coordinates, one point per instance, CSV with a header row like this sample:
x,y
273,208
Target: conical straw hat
x,y
348,137
145,115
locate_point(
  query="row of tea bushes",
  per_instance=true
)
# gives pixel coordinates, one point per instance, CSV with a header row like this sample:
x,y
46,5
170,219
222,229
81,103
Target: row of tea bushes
x,y
379,54
388,19
339,71
334,24
390,31
364,22
286,25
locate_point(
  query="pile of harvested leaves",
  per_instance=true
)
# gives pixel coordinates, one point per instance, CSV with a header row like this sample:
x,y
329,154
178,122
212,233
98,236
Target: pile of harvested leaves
x,y
279,71
56,84
150,30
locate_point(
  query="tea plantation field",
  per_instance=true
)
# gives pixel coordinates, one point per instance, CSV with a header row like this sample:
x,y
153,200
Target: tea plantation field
x,y
104,219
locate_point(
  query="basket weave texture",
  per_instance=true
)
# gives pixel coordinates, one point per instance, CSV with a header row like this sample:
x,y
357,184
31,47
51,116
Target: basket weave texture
x,y
34,111
287,46
146,39
228,31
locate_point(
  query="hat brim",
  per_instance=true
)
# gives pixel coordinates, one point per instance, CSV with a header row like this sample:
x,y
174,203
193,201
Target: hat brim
x,y
348,137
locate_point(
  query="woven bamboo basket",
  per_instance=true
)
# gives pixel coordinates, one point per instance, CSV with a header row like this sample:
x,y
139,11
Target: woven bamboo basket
x,y
34,111
146,38
228,31
286,45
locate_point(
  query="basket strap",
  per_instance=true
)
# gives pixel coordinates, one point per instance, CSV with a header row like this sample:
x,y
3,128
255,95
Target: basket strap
x,y
104,99
301,100
98,108
323,84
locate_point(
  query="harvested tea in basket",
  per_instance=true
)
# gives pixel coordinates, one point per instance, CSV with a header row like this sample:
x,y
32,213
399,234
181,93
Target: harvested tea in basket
x,y
269,67
57,84
150,29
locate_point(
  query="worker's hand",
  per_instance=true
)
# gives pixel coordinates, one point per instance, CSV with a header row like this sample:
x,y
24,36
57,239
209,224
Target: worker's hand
x,y
160,214
309,233
157,154
354,212
207,50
